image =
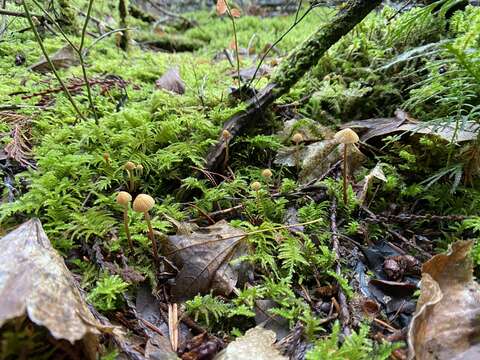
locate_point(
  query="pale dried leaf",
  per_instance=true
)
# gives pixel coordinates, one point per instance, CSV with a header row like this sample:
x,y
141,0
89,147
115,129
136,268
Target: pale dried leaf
x,y
203,258
375,173
35,281
63,58
235,13
221,7
171,81
445,325
257,343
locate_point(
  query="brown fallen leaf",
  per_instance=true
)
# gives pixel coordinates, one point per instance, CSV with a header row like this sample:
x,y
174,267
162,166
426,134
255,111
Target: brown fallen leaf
x,y
446,324
203,258
35,281
63,58
171,81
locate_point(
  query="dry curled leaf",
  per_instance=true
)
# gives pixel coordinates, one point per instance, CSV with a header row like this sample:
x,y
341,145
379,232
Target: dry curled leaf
x,y
171,81
257,343
35,281
63,58
221,7
203,258
403,122
235,13
445,325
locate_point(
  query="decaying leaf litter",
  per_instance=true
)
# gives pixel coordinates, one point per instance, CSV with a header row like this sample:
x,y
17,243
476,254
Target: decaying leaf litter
x,y
253,226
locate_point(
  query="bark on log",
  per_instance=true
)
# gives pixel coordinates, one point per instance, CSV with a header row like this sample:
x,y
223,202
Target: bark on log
x,y
300,60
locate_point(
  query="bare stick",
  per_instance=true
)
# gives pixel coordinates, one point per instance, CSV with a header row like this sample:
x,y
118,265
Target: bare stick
x,y
44,51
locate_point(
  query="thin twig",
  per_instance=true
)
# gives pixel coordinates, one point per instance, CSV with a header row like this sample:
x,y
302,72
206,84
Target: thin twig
x,y
78,50
45,54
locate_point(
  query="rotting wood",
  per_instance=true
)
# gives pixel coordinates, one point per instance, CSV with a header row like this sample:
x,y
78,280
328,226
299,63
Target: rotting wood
x,y
292,69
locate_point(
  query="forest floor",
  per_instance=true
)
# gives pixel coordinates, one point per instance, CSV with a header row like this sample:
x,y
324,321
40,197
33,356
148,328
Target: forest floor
x,y
275,241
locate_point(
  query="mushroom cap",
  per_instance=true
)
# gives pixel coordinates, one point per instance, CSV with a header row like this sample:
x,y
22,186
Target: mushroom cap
x,y
255,186
129,165
297,138
267,173
226,134
143,203
123,198
346,136
106,155
139,167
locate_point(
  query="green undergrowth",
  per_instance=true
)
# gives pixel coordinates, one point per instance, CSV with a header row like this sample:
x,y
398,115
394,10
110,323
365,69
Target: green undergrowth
x,y
79,164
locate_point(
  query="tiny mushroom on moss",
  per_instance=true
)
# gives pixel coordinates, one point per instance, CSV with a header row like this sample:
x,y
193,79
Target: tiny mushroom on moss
x,y
130,167
346,137
226,135
144,203
124,198
297,138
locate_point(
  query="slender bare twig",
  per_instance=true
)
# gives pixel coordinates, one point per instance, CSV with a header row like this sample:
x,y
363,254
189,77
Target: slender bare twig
x,y
78,50
52,66
103,36
295,23
19,14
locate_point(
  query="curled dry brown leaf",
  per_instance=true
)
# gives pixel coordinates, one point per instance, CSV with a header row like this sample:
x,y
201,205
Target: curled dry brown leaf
x,y
63,58
203,257
35,281
446,324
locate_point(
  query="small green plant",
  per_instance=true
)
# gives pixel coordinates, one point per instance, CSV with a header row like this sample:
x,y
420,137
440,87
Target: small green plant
x,y
105,296
357,346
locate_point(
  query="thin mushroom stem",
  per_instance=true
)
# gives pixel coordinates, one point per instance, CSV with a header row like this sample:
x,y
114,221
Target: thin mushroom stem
x,y
345,171
127,231
152,238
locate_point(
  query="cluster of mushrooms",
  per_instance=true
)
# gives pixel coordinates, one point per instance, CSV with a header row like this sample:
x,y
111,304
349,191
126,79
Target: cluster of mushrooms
x,y
143,203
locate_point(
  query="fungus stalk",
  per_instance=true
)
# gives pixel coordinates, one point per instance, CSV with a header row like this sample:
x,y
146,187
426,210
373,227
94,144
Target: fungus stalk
x,y
124,198
297,139
346,137
130,167
143,203
226,137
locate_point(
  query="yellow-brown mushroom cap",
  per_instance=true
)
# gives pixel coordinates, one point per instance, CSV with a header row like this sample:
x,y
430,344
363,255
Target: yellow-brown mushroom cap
x,y
129,166
297,138
346,136
226,134
123,198
143,203
267,173
256,186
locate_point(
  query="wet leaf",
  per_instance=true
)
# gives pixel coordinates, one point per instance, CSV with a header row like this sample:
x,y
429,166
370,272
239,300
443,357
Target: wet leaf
x,y
63,58
171,81
316,159
445,325
403,122
221,7
257,343
203,258
35,281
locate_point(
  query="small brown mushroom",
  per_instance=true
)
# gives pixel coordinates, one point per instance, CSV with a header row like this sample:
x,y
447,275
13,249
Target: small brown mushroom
x,y
130,167
226,138
124,198
346,137
297,139
267,174
144,203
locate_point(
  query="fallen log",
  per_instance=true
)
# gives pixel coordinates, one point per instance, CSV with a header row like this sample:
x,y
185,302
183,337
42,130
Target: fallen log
x,y
300,60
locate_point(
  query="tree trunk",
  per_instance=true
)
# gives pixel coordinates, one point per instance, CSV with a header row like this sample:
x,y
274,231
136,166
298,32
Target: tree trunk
x,y
300,60
123,12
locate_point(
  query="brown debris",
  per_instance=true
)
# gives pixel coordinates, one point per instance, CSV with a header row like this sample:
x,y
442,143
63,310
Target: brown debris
x,y
445,325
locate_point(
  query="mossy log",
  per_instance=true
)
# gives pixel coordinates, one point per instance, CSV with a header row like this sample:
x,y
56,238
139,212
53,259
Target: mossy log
x,y
173,43
291,69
